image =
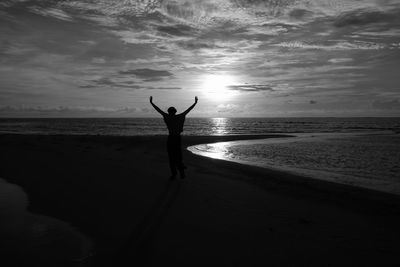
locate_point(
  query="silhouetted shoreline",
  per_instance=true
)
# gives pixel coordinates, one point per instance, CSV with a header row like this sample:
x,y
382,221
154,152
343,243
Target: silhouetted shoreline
x,y
115,190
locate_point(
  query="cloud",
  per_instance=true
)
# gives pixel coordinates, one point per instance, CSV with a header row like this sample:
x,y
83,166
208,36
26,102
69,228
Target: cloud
x,y
317,48
343,45
196,12
387,105
382,33
105,81
362,17
162,88
113,8
98,60
52,12
340,60
229,108
127,84
109,82
87,86
178,30
155,59
313,102
300,13
148,74
65,111
251,87
198,44
145,37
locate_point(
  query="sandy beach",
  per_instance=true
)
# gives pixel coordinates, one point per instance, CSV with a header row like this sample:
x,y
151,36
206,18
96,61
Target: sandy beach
x,y
115,193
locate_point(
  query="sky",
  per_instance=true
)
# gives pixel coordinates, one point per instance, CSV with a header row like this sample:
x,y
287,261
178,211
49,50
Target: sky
x,y
242,58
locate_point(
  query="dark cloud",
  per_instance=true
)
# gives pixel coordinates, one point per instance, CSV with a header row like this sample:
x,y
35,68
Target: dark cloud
x,y
363,17
193,45
4,94
269,7
189,9
65,111
104,81
282,25
313,102
177,30
251,87
300,13
148,74
161,88
108,82
88,86
154,79
387,105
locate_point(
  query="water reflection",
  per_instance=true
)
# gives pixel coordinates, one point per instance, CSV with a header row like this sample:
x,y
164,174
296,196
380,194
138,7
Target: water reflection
x,y
220,150
219,126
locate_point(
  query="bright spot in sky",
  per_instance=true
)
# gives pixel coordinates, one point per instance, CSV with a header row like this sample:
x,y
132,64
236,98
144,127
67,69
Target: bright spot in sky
x,y
216,87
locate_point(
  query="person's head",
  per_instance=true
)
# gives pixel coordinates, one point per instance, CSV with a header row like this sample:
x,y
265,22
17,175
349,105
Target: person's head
x,y
171,111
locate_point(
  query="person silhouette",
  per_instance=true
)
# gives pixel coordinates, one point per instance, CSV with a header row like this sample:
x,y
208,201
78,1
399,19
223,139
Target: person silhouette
x,y
174,124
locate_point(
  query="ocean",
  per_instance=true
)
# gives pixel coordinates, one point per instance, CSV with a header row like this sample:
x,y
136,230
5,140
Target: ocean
x,y
357,151
370,160
196,126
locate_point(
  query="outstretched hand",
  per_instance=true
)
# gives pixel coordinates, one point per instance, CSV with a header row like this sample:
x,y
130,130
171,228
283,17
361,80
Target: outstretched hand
x,y
151,99
195,99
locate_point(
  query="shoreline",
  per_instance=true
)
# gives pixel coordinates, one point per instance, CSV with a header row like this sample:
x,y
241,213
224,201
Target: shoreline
x,y
115,190
345,192
218,150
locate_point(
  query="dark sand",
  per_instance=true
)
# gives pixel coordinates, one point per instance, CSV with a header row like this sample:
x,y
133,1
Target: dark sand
x,y
116,191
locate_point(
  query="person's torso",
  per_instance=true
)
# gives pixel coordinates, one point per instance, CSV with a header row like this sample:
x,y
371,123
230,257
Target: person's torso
x,y
174,123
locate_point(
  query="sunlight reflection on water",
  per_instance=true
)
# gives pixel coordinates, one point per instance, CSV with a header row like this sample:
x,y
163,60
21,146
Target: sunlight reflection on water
x,y
219,126
216,151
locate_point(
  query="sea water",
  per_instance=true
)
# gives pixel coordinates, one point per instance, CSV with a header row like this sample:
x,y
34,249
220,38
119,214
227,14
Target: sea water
x,y
370,160
195,126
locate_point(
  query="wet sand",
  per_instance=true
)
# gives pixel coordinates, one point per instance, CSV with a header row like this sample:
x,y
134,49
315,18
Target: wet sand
x,y
116,192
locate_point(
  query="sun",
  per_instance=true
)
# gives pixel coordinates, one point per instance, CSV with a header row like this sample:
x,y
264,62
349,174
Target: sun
x,y
216,86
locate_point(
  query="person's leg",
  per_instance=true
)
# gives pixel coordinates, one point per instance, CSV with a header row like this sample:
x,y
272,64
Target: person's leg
x,y
179,162
171,156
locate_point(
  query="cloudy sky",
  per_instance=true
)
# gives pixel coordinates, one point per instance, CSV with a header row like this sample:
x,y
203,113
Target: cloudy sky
x,y
252,58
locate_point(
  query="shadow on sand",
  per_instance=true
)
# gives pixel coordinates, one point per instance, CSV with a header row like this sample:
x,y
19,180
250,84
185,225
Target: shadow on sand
x,y
137,249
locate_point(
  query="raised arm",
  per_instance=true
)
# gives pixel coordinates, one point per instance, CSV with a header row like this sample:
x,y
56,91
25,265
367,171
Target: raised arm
x,y
191,107
157,108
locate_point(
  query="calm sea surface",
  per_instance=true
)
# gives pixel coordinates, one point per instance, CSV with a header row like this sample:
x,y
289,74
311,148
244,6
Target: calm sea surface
x,y
358,151
197,126
370,160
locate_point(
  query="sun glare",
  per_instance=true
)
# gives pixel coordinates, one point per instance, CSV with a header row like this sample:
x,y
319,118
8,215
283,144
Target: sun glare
x,y
216,87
